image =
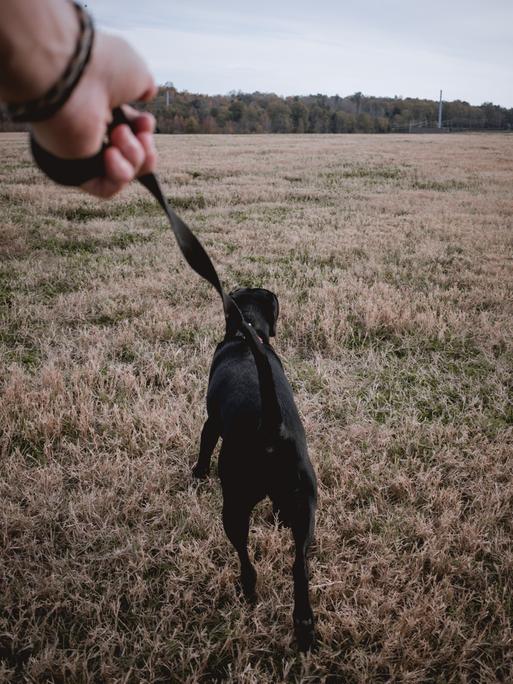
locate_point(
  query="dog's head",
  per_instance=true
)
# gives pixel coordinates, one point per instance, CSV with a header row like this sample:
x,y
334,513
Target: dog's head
x,y
260,308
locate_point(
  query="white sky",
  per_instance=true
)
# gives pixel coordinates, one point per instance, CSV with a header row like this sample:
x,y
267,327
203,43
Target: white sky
x,y
379,47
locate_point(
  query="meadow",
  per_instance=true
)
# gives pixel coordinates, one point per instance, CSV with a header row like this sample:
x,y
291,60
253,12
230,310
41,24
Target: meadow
x,y
392,257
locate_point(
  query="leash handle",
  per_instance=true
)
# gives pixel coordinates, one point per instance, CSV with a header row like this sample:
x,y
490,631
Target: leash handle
x,y
74,172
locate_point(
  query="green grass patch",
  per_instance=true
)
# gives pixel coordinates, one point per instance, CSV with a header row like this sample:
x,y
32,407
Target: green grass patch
x,y
113,318
275,214
369,174
378,173
18,347
7,283
239,216
449,381
192,202
85,211
240,278
30,446
433,185
303,374
88,245
54,288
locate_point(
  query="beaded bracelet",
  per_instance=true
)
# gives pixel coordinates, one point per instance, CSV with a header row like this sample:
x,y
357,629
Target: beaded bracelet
x,y
48,104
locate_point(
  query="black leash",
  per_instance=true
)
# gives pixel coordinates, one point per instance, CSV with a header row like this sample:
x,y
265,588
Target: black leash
x,y
74,172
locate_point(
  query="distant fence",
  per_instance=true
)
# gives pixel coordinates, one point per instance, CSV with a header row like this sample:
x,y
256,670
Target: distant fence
x,y
448,126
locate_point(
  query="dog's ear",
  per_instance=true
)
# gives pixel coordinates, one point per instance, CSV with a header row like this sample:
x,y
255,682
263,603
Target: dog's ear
x,y
275,313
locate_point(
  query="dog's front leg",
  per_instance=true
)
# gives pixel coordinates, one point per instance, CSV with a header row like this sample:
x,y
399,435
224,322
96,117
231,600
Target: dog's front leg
x,y
209,437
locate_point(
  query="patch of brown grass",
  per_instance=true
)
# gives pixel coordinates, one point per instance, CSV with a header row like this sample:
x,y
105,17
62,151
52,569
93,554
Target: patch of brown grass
x,y
391,257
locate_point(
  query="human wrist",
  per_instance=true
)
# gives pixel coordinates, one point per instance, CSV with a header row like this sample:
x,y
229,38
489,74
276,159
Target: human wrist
x,y
37,42
78,128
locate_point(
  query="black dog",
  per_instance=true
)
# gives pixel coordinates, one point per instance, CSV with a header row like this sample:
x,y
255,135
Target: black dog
x,y
264,453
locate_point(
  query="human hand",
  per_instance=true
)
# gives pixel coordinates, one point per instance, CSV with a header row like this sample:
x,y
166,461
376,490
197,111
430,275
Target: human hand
x,y
115,75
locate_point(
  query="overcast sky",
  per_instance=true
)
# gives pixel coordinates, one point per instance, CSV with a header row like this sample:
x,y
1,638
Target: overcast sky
x,y
379,47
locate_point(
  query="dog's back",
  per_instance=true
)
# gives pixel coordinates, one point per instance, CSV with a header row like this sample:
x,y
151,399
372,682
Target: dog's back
x,y
234,393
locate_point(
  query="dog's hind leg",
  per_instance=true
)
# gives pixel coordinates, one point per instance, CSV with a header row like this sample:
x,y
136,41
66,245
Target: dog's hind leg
x,y
209,437
236,525
302,530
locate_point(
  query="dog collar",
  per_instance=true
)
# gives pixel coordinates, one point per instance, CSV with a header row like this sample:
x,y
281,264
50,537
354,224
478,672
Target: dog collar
x,y
240,334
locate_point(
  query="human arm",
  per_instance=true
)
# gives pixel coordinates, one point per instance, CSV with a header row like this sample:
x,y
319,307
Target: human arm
x,y
36,41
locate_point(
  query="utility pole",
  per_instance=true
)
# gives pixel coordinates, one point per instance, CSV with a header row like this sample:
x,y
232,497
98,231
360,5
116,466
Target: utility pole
x,y
168,85
440,111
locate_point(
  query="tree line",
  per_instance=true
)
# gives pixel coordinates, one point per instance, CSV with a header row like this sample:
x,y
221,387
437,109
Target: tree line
x,y
184,112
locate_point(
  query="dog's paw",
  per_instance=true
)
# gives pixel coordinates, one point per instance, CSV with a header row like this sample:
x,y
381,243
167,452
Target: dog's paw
x,y
250,597
200,473
305,635
248,585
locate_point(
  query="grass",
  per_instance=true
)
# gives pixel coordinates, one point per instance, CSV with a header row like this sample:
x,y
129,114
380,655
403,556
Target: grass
x,y
393,267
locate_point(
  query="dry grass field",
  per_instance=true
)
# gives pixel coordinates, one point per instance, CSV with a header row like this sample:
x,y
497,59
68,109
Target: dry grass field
x,y
393,261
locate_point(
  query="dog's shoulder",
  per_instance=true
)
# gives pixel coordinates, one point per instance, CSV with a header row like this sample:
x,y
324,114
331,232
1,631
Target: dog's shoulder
x,y
229,350
235,350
